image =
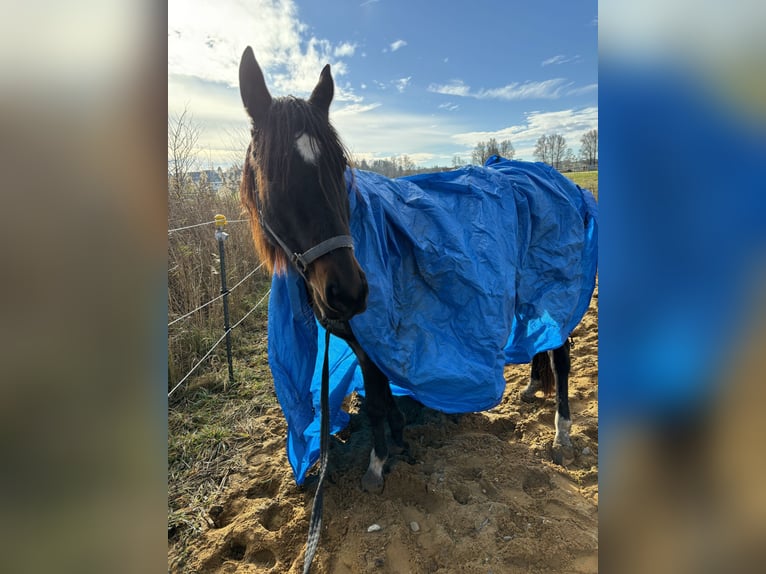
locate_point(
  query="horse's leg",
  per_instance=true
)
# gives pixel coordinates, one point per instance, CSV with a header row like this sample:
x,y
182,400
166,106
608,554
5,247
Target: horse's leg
x,y
563,453
535,377
396,421
378,402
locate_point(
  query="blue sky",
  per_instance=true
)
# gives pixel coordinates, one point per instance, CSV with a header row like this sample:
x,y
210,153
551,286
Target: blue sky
x,y
426,79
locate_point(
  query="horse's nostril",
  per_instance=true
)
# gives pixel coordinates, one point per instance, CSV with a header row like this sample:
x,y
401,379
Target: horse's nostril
x,y
331,292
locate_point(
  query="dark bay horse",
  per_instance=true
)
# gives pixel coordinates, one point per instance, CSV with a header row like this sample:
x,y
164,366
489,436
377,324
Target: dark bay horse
x,y
294,189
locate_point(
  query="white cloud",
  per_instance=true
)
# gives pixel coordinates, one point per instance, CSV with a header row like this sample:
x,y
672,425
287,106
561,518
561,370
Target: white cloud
x,y
353,109
344,49
397,45
547,89
377,133
582,90
449,106
454,88
402,83
570,123
206,41
561,59
558,59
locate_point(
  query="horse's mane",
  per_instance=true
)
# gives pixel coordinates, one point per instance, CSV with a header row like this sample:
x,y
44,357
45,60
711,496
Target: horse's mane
x,y
270,152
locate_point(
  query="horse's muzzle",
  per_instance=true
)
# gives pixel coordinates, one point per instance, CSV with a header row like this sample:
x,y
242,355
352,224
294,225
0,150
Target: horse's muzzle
x,y
343,300
339,286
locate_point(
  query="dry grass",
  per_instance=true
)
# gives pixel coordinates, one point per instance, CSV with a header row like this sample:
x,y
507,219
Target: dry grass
x,y
194,276
210,418
209,425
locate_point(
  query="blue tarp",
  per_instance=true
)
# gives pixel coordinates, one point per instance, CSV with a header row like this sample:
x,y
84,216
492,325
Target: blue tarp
x,y
468,270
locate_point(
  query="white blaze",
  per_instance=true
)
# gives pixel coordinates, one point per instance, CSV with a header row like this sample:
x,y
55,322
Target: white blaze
x,y
308,148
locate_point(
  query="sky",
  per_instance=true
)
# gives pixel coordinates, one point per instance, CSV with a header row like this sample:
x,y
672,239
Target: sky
x,y
425,79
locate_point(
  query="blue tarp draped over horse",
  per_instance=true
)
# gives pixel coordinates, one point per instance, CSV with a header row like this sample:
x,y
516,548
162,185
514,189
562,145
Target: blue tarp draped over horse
x,y
468,270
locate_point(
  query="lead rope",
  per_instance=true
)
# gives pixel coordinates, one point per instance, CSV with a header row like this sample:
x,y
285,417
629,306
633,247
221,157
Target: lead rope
x,y
315,523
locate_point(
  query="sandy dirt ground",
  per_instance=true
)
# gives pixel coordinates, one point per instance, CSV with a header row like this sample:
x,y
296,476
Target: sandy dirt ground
x,y
480,493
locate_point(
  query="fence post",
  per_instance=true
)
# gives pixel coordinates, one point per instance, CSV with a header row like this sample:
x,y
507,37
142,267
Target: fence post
x,y
220,235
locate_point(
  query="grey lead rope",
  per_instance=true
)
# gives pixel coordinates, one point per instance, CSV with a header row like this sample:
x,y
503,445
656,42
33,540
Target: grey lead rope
x,y
315,523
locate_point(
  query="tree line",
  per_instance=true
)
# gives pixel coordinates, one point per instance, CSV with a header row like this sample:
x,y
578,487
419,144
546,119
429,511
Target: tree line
x,y
550,148
553,150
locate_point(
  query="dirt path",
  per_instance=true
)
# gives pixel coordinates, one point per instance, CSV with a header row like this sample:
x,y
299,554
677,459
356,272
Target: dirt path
x,y
481,496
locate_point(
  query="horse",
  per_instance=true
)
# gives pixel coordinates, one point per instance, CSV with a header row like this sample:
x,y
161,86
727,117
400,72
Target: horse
x,y
294,190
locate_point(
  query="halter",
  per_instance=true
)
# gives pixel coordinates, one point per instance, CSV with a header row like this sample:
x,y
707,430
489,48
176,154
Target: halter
x,y
303,260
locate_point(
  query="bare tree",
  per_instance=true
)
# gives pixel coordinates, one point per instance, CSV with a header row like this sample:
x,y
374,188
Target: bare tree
x,y
551,149
542,150
589,148
484,150
506,149
479,154
569,160
492,148
182,143
408,166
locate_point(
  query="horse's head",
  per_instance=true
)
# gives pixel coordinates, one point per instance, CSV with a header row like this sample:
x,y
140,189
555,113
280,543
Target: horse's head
x,y
294,189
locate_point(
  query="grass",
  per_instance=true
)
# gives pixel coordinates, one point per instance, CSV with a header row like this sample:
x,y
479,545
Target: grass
x,y
211,426
208,437
585,179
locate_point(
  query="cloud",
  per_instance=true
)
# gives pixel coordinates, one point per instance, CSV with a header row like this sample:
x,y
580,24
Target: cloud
x,y
202,44
561,59
570,123
582,90
547,89
377,133
344,49
398,44
402,83
353,109
558,59
449,106
454,88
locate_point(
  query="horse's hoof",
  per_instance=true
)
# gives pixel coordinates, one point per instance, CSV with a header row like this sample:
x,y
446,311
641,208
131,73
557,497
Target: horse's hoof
x,y
563,455
371,482
399,448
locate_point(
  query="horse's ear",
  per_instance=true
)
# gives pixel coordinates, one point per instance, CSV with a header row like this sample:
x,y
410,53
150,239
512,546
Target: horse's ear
x,y
324,90
252,87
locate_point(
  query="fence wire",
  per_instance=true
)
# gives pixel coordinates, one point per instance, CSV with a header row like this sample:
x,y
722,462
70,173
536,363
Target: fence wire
x,y
190,313
201,224
229,330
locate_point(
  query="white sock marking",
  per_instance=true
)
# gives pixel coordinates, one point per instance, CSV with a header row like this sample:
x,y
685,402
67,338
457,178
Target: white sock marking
x,y
376,465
